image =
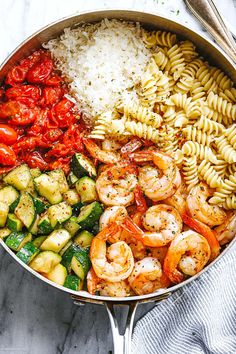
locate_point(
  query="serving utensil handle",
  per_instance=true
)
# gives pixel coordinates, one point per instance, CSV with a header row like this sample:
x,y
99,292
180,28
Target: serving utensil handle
x,y
122,342
206,12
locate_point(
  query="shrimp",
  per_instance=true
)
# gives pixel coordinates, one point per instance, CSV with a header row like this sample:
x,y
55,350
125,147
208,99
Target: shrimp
x,y
118,214
161,180
114,263
226,231
188,253
107,157
147,276
199,208
159,253
115,185
162,223
178,199
106,288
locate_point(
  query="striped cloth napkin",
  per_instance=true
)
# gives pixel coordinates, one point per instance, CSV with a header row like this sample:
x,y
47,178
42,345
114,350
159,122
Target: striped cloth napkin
x,y
199,318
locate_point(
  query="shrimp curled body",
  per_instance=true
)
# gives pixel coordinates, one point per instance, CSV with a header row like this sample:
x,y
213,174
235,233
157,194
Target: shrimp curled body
x,y
226,231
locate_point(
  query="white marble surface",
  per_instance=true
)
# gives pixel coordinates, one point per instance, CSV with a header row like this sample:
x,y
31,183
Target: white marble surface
x,y
35,318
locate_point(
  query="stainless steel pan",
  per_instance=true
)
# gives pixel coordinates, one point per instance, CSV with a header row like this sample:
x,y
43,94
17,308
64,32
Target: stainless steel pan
x,y
151,21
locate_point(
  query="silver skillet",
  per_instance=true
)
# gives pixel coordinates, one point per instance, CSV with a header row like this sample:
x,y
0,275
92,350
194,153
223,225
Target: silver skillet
x,y
151,21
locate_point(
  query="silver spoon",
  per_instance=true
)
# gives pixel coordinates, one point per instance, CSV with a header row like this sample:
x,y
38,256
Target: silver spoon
x,y
206,12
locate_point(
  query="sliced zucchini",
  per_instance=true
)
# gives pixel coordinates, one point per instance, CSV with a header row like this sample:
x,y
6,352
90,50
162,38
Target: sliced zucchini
x,y
72,282
4,209
14,223
84,239
95,229
58,274
40,205
82,166
27,252
35,172
72,179
68,255
71,197
60,178
31,188
16,240
4,233
48,188
25,209
56,240
45,262
76,208
59,213
72,225
13,205
86,187
39,240
8,195
19,177
34,227
89,214
44,225
81,264
63,250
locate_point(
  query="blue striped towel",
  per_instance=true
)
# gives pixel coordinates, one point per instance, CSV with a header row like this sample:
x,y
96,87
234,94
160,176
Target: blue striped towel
x,y
200,318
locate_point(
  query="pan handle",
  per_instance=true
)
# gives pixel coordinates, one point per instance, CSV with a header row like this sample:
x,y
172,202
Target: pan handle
x,y
122,342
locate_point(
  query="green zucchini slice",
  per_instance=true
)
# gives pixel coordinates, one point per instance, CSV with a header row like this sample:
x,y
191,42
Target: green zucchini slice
x,y
5,232
84,239
14,223
89,215
72,282
81,264
56,240
58,274
71,197
40,205
63,250
45,262
68,255
59,213
44,225
19,177
60,178
72,225
34,227
39,240
8,195
35,172
49,188
25,209
27,252
4,209
86,187
16,240
72,179
13,205
82,166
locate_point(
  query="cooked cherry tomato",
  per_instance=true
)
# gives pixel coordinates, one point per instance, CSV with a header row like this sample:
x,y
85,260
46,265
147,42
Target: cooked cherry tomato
x,y
63,163
8,109
40,71
16,75
35,159
25,116
51,95
60,150
29,91
53,80
7,155
52,135
8,135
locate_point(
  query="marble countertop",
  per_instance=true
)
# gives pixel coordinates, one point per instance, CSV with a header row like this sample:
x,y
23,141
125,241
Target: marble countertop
x,y
34,317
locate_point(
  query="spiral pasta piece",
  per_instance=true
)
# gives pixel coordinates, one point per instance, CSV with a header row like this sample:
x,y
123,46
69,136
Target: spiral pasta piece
x,y
168,141
221,166
192,68
230,202
230,133
227,187
178,157
231,169
102,124
161,59
188,50
142,114
215,116
209,126
229,94
209,175
191,148
142,130
181,119
197,91
222,106
225,149
190,171
148,87
165,39
177,64
204,76
192,133
184,85
222,80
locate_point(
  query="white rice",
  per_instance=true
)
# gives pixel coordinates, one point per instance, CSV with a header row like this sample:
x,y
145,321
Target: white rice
x,y
102,61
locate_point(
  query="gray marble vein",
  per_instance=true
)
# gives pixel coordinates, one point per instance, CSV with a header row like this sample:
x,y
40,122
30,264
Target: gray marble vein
x,y
34,317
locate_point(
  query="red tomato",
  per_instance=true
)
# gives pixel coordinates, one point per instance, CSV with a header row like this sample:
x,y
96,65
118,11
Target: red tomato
x,y
53,80
16,75
7,155
139,199
51,95
25,116
52,135
60,150
8,135
35,159
29,91
9,109
62,113
40,71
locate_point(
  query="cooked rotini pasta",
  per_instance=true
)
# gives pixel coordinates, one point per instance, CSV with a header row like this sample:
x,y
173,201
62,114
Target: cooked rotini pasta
x,y
102,123
190,171
209,126
184,85
225,149
142,114
230,133
161,59
222,80
142,130
191,148
204,76
192,68
207,172
181,119
230,202
222,106
177,63
194,134
226,188
188,50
